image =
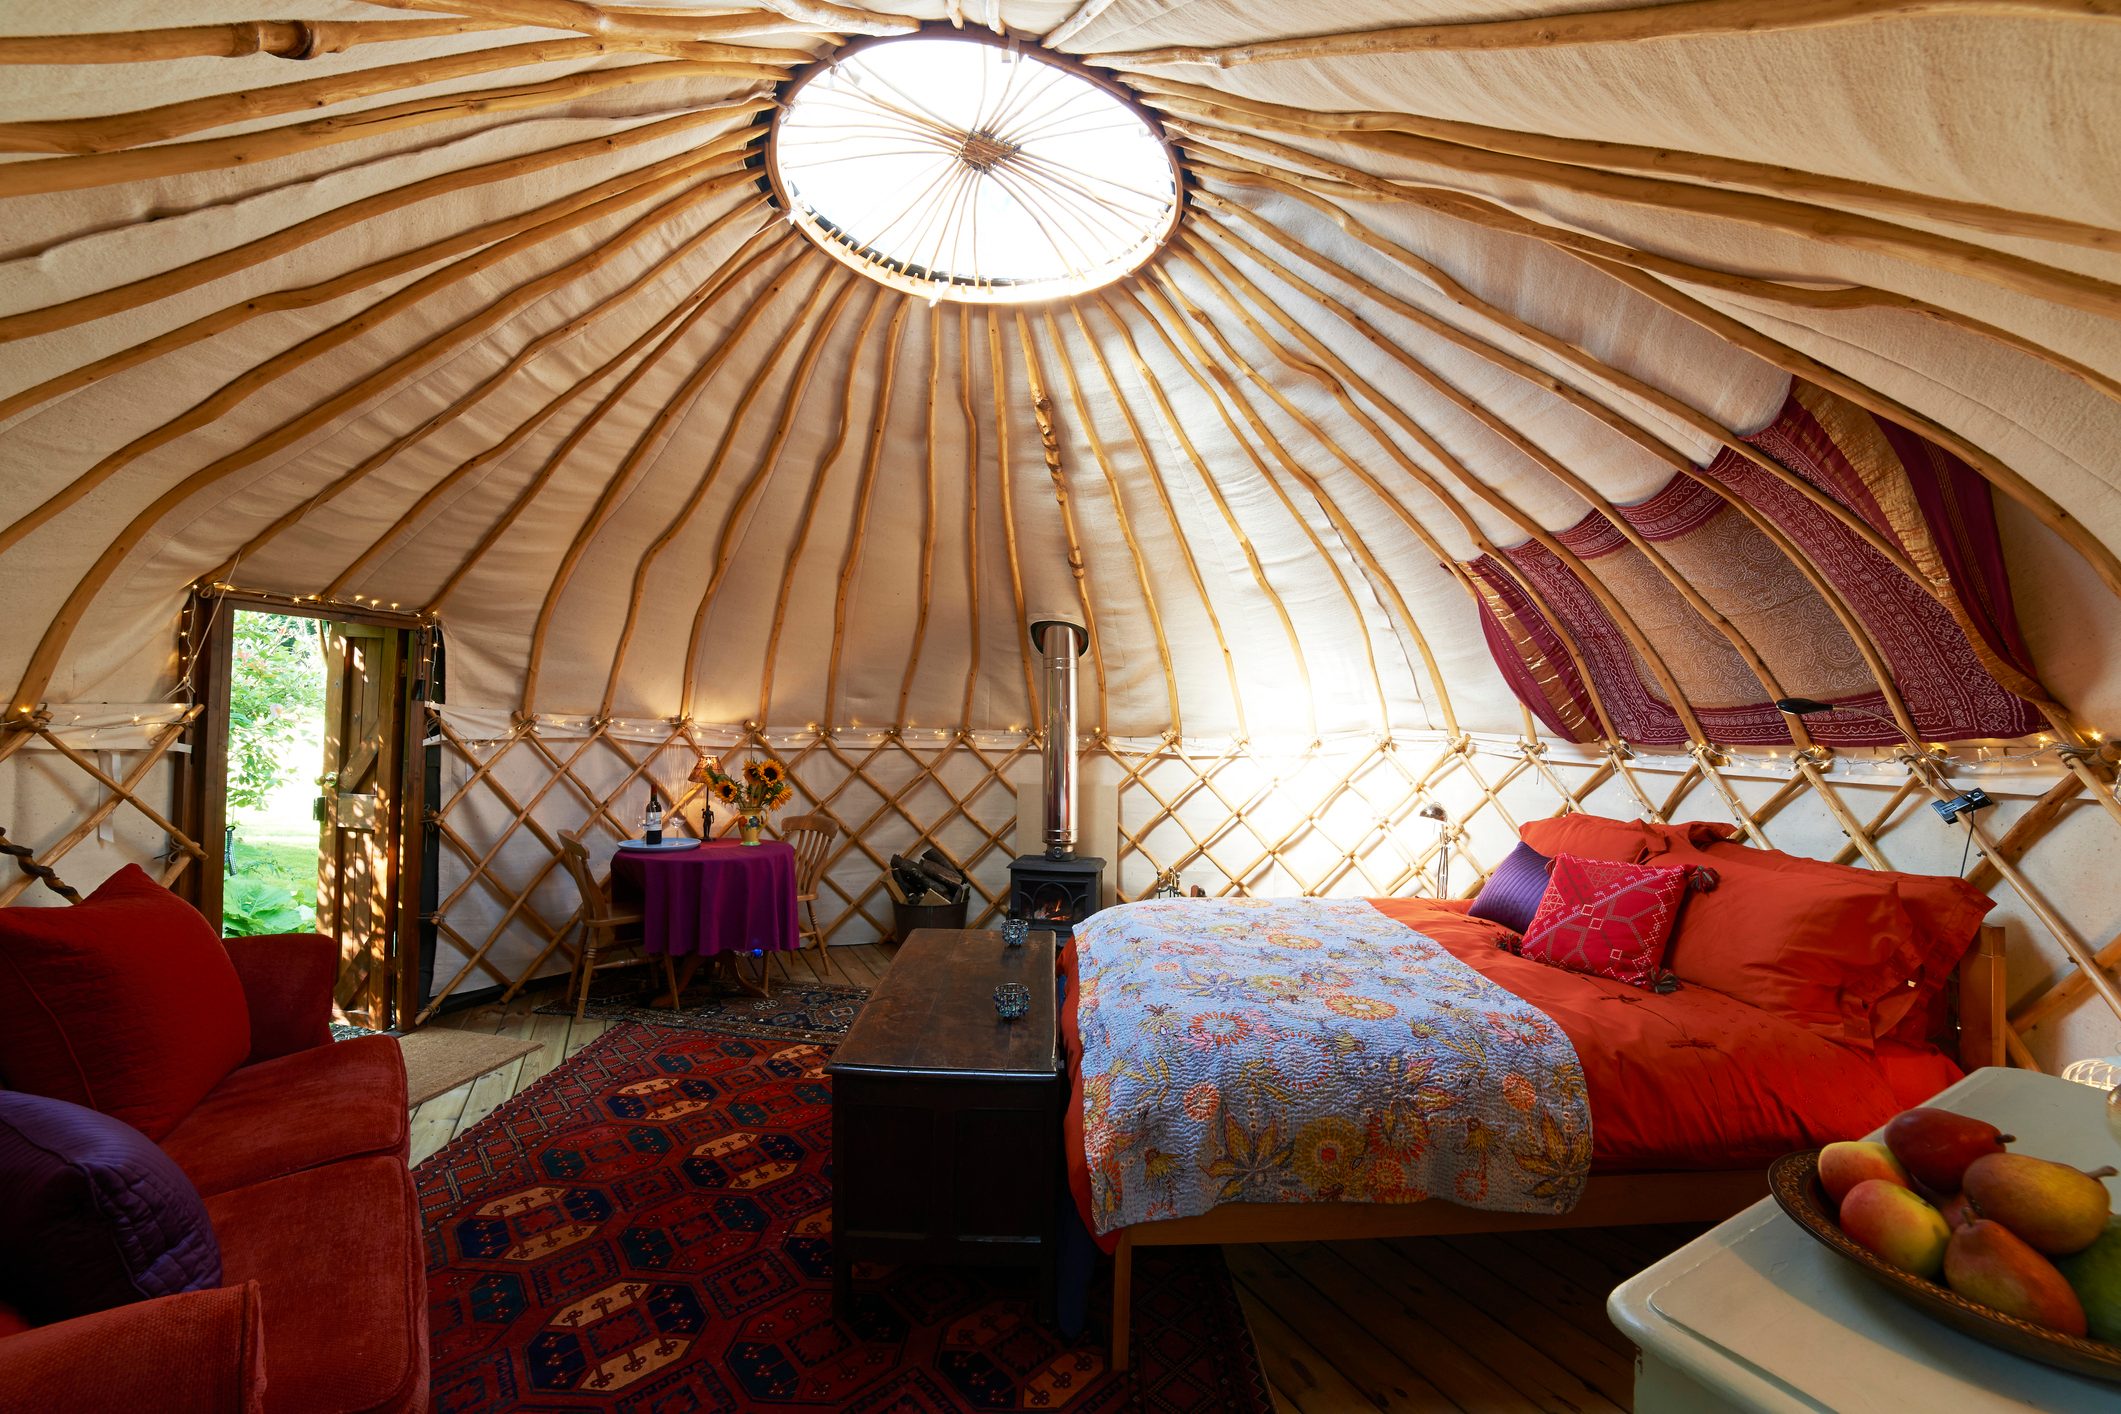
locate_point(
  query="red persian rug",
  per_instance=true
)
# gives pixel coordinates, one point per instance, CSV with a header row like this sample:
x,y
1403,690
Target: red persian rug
x,y
649,1227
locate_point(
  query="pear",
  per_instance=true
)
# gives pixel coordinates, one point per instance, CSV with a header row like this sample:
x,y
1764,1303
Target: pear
x,y
1955,1212
2095,1275
1987,1264
1842,1166
2056,1209
1935,1146
1891,1220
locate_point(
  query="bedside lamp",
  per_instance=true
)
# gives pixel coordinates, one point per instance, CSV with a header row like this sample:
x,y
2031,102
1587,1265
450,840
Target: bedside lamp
x,y
1433,811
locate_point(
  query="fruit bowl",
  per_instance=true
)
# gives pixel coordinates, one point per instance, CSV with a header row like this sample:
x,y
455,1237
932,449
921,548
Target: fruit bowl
x,y
1794,1180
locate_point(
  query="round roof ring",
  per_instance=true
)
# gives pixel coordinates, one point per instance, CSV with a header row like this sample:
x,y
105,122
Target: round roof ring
x,y
953,164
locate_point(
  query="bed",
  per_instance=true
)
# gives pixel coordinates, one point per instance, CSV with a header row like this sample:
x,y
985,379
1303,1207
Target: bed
x,y
1692,1091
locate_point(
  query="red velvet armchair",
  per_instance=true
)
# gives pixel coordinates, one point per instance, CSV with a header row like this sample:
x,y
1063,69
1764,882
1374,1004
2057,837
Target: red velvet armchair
x,y
300,1154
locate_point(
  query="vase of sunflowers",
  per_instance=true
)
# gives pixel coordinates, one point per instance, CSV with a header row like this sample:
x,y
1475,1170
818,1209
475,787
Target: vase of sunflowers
x,y
761,786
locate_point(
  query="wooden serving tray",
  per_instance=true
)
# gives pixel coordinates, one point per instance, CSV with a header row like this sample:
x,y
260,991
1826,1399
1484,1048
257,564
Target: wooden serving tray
x,y
1794,1180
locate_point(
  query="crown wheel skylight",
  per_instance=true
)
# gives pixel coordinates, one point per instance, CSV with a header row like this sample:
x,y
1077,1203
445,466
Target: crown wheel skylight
x,y
956,168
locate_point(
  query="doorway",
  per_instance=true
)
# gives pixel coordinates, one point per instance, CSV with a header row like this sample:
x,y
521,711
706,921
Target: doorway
x,y
297,782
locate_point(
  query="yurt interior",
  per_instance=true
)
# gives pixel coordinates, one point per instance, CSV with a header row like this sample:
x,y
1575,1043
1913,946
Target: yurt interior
x,y
1203,706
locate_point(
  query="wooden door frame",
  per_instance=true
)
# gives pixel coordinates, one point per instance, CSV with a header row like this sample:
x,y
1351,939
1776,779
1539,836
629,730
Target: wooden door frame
x,y
205,651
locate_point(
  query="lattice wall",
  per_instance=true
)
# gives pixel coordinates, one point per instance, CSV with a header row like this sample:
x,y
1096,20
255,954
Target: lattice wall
x,y
1341,819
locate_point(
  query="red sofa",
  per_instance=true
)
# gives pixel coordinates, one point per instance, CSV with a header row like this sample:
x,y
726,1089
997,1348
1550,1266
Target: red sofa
x,y
301,1155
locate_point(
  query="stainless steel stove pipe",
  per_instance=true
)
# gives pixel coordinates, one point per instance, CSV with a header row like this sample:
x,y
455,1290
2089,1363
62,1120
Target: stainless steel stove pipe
x,y
1059,644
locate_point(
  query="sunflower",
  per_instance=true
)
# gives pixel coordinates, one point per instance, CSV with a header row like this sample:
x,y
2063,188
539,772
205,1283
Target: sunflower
x,y
782,794
751,772
725,791
772,772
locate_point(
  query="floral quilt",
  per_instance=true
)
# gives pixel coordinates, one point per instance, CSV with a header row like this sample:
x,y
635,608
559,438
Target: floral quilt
x,y
1312,1051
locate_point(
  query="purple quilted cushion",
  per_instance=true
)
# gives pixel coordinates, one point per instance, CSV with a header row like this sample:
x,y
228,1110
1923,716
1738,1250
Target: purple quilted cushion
x,y
95,1215
1512,893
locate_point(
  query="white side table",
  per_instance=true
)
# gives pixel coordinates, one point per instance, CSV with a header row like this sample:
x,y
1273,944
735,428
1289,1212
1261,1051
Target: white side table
x,y
1756,1315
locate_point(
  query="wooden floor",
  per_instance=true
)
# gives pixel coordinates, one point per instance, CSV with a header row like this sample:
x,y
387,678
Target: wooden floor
x,y
1506,1325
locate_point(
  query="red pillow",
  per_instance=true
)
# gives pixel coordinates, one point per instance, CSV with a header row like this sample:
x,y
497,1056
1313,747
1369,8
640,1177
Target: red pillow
x,y
1628,841
126,1003
1831,950
1946,913
1606,918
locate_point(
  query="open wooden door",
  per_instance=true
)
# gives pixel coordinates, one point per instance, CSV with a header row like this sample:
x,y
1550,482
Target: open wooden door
x,y
357,810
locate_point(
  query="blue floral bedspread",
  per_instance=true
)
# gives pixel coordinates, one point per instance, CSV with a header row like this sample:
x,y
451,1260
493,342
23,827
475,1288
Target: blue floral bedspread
x,y
1312,1051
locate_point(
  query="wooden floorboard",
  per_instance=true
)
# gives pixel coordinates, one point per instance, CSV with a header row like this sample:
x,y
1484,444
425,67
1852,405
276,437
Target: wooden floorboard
x,y
1505,1324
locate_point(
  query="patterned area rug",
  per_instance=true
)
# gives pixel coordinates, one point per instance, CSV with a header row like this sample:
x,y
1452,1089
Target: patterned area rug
x,y
809,1011
648,1228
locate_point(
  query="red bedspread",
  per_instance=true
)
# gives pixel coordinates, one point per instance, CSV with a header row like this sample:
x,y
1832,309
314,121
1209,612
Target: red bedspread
x,y
1686,1080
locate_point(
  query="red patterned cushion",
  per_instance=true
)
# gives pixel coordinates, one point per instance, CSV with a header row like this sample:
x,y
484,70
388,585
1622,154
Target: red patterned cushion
x,y
1606,918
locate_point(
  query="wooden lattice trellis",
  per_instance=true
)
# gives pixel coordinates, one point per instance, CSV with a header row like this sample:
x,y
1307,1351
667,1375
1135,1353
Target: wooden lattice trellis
x,y
1232,819
887,793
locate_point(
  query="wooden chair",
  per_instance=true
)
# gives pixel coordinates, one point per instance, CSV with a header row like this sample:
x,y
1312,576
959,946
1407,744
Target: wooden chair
x,y
601,924
812,837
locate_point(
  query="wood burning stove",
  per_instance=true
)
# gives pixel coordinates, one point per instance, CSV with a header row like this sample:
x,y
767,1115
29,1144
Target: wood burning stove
x,y
1057,889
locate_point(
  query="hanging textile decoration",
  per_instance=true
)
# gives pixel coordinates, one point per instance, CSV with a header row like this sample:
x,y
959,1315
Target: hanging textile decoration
x,y
1955,653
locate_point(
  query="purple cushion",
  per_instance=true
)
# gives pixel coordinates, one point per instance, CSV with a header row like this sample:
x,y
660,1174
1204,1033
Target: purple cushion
x,y
92,1214
1512,893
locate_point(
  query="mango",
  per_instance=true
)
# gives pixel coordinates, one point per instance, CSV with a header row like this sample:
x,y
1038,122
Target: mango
x,y
1935,1146
2056,1209
1955,1212
1893,1221
2095,1275
1842,1166
1986,1263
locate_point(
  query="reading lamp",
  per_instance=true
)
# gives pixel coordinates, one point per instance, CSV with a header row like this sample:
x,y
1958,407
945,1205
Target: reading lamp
x,y
1965,803
1433,811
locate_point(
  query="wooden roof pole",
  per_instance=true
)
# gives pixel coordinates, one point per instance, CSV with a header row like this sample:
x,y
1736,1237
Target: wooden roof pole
x,y
1687,19
1622,620
56,174
1605,156
550,226
44,661
1049,441
1213,394
1176,427
117,299
736,522
323,291
1855,524
1553,466
745,259
1119,508
926,588
1163,291
667,415
972,522
1496,216
1858,631
1419,474
1999,473
116,132
851,560
523,358
1817,224
1000,378
235,39
732,423
1157,484
655,29
808,515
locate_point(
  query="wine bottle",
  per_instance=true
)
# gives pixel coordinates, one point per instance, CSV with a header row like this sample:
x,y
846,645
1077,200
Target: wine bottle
x,y
652,827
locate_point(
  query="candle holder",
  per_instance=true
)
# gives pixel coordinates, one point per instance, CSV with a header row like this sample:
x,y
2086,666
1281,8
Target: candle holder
x,y
1012,1000
1016,932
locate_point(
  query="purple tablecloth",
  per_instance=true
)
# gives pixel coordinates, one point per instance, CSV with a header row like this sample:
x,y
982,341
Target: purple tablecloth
x,y
722,897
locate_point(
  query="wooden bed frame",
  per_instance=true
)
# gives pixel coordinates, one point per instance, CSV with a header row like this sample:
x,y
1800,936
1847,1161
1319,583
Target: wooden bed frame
x,y
1610,1200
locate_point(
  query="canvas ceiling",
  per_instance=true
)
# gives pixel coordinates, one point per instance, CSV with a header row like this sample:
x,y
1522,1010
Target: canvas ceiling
x,y
803,500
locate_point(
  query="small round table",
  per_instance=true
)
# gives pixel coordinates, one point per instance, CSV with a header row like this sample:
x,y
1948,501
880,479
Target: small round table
x,y
723,897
